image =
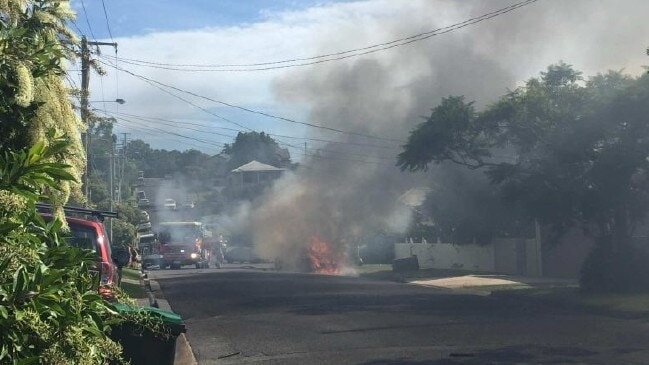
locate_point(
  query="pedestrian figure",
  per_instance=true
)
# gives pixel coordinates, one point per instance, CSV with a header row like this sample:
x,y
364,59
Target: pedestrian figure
x,y
134,257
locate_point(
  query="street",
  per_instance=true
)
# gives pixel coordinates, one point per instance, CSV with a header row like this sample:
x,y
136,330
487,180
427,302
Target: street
x,y
263,317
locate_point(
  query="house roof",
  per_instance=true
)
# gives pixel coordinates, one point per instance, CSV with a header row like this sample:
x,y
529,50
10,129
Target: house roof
x,y
254,166
414,197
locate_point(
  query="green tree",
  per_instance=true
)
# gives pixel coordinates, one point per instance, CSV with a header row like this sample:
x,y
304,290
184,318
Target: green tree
x,y
249,146
124,233
102,145
465,208
197,172
50,310
577,157
128,213
33,98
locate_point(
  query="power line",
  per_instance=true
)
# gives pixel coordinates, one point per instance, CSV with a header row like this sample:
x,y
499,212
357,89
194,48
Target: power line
x,y
76,26
373,159
110,33
144,118
367,162
306,61
71,82
298,148
151,130
175,124
150,81
284,143
154,119
103,97
127,122
103,5
155,84
171,123
142,125
83,5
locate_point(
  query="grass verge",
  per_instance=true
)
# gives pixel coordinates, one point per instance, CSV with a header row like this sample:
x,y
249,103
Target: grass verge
x,y
131,284
612,303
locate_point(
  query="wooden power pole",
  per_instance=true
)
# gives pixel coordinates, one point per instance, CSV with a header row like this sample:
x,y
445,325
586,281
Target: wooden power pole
x,y
85,82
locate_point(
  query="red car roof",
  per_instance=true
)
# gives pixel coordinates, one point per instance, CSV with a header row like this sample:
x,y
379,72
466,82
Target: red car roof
x,y
78,221
83,222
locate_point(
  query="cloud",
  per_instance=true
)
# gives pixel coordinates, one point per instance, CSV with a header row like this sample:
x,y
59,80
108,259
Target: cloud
x,y
384,93
513,47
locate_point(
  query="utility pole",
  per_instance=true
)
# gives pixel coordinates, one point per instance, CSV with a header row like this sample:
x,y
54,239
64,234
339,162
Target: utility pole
x,y
122,166
539,246
85,80
112,189
85,83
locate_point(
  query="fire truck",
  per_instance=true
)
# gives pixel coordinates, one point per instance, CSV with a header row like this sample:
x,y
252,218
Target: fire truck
x,y
182,243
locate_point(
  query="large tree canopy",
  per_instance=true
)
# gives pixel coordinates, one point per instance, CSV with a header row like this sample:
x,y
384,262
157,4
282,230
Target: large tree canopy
x,y
571,152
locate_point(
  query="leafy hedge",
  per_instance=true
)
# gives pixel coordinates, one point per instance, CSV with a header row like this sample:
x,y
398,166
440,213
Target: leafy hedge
x,y
615,269
50,310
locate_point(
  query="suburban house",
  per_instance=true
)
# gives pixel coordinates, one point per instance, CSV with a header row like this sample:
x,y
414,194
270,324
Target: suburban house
x,y
249,180
254,173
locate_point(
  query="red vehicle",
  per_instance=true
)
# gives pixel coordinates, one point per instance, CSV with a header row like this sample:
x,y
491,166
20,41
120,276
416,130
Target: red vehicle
x,y
181,243
91,234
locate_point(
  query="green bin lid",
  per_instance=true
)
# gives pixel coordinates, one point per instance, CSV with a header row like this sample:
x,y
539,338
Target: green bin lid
x,y
167,317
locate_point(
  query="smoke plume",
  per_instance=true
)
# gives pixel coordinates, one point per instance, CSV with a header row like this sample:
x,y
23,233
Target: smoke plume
x,y
346,190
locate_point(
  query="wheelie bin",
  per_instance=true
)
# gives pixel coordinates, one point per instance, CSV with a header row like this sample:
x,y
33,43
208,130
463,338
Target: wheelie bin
x,y
141,345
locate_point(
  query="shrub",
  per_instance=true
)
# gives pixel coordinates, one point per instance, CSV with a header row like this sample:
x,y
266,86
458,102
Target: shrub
x,y
50,310
615,269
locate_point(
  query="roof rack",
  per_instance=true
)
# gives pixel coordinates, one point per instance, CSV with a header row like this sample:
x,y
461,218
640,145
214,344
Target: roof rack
x,y
99,214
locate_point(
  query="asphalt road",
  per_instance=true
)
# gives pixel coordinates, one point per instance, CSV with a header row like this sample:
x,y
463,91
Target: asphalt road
x,y
245,316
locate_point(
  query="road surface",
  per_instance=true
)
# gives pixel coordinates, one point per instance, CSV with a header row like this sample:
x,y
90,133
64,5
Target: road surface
x,y
246,316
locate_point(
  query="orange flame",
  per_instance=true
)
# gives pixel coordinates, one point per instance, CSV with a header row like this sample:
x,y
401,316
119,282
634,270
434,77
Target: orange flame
x,y
323,259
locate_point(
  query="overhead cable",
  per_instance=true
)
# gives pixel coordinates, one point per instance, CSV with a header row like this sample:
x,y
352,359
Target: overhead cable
x,y
155,131
336,56
103,5
85,13
351,143
268,115
127,122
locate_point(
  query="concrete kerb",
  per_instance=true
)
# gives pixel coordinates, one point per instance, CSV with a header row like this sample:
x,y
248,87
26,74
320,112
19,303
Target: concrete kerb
x,y
184,353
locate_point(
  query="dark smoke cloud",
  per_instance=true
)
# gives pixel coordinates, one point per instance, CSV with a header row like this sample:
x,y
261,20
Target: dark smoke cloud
x,y
386,94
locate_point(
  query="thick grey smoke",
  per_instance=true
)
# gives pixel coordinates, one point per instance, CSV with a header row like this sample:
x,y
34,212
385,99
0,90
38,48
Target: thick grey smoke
x,y
386,94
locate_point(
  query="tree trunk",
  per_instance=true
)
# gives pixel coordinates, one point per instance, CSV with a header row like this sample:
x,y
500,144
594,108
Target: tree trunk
x,y
620,236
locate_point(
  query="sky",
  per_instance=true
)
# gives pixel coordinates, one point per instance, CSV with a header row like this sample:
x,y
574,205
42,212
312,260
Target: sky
x,y
592,35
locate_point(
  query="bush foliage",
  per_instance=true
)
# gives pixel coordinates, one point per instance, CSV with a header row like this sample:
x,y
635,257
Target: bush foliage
x,y
50,310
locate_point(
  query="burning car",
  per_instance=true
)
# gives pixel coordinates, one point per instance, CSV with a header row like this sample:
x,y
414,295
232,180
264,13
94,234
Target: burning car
x,y
317,257
181,243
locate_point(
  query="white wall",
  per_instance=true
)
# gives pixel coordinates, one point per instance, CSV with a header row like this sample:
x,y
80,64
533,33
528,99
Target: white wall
x,y
448,256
